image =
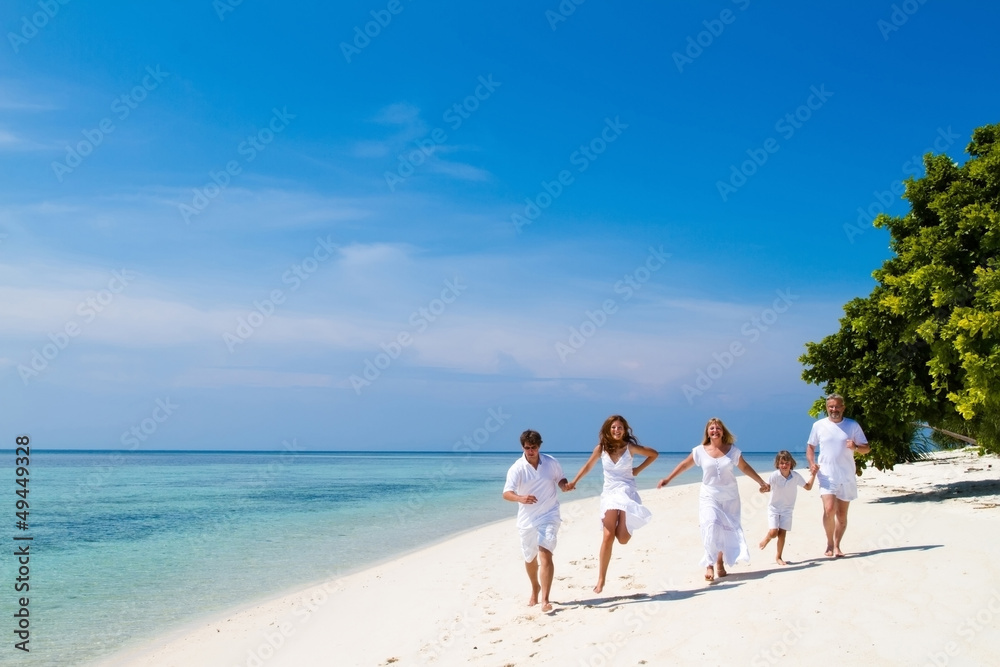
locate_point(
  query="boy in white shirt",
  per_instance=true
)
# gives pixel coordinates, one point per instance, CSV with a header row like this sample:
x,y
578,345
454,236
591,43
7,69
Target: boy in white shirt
x,y
532,482
785,483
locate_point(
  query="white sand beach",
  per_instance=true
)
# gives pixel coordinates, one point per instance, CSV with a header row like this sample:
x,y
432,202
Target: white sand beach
x,y
919,586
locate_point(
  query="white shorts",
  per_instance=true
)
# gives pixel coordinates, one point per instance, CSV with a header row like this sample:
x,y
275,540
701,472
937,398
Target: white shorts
x,y
543,535
779,518
846,491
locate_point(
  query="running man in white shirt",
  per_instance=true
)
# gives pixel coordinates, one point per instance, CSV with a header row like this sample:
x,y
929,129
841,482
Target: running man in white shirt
x,y
838,439
532,482
785,483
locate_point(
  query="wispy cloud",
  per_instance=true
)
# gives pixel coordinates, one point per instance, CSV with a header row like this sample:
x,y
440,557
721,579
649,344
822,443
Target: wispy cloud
x,y
15,97
216,378
415,142
10,141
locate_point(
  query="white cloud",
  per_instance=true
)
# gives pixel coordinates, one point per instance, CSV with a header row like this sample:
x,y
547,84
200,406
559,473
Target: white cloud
x,y
14,142
420,158
367,254
250,377
399,113
458,170
13,98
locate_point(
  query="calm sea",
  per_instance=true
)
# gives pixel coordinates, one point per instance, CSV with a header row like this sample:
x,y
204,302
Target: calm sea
x,y
130,546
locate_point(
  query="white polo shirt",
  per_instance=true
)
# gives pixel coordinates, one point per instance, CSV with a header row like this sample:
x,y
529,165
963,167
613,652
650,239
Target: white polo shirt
x,y
784,490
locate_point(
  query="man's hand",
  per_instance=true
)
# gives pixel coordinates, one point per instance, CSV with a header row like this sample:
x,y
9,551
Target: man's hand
x,y
529,500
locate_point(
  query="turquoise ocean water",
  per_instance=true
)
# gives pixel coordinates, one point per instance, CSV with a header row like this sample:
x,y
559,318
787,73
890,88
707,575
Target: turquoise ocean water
x,y
131,546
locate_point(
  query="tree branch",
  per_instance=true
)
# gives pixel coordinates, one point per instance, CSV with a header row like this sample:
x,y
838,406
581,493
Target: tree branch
x,y
963,438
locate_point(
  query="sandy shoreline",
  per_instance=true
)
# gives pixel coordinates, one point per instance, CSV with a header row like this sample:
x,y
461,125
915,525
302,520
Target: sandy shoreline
x,y
918,587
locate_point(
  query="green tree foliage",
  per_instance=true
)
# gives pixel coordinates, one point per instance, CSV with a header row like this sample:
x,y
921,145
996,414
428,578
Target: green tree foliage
x,y
924,346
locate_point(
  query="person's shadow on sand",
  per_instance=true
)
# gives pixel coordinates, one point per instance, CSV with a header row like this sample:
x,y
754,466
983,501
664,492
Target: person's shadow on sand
x,y
889,550
760,574
731,580
612,601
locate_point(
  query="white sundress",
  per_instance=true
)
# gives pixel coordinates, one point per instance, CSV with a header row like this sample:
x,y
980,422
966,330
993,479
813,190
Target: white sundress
x,y
620,493
719,508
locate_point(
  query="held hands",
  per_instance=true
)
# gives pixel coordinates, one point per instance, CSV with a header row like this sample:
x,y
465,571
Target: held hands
x,y
568,486
765,487
813,468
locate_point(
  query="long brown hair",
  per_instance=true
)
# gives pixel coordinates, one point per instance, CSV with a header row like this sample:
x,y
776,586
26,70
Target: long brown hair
x,y
727,437
605,435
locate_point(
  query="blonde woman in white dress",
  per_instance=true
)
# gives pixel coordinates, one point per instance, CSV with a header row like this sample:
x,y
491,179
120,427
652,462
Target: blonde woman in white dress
x,y
719,500
622,511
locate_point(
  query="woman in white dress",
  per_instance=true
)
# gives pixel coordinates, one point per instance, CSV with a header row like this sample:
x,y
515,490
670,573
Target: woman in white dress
x,y
719,501
622,511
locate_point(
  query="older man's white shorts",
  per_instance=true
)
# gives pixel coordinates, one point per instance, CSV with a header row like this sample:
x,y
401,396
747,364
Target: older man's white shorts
x,y
779,518
543,535
846,491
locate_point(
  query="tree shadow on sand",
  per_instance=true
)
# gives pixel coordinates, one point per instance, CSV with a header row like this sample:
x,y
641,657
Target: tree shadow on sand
x,y
960,489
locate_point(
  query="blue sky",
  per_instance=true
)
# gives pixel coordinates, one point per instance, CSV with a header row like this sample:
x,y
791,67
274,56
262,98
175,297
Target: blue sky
x,y
215,219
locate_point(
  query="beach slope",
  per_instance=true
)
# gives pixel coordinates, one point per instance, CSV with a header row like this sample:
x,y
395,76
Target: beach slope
x,y
918,586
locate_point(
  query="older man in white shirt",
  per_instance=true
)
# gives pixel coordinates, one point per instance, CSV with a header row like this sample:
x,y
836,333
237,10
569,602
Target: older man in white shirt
x,y
838,439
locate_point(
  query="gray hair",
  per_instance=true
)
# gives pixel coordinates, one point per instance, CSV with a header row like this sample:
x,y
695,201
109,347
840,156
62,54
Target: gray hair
x,y
837,397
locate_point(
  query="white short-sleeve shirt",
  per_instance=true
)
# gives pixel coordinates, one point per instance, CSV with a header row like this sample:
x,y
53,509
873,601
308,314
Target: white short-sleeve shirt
x,y
542,483
784,489
717,471
835,460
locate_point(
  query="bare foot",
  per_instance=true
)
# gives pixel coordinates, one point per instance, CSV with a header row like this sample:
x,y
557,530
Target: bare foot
x,y
533,600
829,550
779,561
709,573
721,569
763,542
599,587
837,553
547,606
